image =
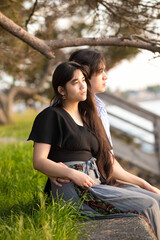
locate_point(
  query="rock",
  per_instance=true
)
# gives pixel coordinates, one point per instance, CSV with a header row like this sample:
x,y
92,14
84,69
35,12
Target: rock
x,y
121,228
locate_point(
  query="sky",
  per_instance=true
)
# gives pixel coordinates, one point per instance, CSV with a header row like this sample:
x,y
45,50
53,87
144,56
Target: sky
x,y
135,74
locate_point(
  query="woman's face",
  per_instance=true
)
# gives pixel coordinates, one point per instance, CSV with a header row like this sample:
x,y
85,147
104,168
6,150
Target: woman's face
x,y
98,80
75,89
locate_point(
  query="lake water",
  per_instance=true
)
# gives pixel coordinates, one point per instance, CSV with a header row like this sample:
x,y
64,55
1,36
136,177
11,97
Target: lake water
x,y
146,139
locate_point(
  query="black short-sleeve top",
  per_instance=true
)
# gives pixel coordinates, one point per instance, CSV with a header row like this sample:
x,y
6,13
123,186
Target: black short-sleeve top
x,y
69,141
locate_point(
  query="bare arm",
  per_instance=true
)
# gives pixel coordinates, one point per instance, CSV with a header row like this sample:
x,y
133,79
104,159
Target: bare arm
x,y
58,181
121,174
53,169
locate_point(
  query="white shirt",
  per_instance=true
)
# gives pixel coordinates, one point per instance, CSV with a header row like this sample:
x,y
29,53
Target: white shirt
x,y
102,112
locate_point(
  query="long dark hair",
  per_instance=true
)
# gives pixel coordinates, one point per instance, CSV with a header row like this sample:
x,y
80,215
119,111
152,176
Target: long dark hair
x,y
88,57
88,111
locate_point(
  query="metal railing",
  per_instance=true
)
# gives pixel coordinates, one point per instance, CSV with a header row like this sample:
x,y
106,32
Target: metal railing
x,y
133,108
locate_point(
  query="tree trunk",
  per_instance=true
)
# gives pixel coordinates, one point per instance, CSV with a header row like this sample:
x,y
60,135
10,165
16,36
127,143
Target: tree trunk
x,y
7,101
3,118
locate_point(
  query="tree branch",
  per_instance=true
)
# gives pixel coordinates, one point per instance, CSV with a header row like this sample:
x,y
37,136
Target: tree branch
x,y
47,47
127,41
31,14
20,33
134,24
32,91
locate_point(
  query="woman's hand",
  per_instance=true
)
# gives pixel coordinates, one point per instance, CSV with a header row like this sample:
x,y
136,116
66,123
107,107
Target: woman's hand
x,y
78,177
81,179
150,188
57,180
156,190
121,174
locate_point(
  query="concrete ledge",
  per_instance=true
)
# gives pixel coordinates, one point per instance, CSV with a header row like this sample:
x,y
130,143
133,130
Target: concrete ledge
x,y
121,228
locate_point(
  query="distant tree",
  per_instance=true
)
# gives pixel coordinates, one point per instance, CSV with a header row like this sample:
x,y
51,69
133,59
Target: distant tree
x,y
126,23
155,88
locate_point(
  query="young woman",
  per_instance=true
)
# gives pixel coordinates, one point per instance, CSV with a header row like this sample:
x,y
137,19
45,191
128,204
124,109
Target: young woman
x,y
70,143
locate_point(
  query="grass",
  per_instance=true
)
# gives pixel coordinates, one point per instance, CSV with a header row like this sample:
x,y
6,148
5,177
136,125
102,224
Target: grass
x,y
25,213
21,125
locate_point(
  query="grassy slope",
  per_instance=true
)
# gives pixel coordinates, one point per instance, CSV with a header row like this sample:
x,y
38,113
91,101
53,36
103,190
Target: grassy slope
x,y
25,214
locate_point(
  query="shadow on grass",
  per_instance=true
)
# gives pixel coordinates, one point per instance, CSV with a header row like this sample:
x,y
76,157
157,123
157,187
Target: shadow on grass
x,y
21,207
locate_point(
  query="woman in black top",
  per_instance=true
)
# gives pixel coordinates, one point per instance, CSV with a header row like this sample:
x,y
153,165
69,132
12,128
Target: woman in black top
x,y
70,129
70,143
